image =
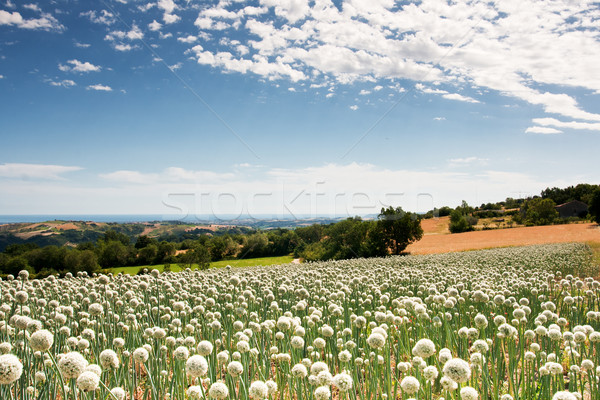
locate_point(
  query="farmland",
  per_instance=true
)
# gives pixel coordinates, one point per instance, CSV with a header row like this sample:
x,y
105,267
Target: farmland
x,y
437,238
513,323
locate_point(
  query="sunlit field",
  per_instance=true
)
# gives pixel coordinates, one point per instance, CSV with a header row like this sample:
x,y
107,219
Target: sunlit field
x,y
513,323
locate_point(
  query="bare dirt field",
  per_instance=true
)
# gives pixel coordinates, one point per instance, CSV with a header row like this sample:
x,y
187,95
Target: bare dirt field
x,y
434,241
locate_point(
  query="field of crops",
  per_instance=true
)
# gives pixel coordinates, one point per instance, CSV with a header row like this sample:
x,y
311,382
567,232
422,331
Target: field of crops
x,y
515,323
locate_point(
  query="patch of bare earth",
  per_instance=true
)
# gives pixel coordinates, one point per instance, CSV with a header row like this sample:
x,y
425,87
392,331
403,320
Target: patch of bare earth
x,y
440,243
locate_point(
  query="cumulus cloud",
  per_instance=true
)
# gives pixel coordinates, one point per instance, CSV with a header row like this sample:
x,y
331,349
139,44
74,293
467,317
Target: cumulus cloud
x,y
46,22
168,6
103,17
100,88
34,171
515,51
79,66
154,26
66,83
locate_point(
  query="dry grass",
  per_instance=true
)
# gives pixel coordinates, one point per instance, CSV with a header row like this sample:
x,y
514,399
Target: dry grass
x,y
434,242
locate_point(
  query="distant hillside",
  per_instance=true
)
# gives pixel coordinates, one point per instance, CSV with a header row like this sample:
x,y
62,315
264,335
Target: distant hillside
x,y
72,233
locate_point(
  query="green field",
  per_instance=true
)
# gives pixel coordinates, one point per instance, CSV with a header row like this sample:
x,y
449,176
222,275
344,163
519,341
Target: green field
x,y
249,262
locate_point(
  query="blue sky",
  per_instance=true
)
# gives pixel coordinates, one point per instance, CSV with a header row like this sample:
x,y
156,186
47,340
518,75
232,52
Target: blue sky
x,y
293,106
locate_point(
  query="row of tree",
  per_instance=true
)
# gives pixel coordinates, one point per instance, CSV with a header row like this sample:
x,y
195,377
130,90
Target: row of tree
x,y
351,238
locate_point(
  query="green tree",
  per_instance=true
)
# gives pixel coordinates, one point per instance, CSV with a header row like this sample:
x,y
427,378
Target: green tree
x,y
196,255
147,254
595,206
399,228
143,241
540,211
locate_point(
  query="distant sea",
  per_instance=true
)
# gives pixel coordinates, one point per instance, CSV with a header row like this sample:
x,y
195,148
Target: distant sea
x,y
124,218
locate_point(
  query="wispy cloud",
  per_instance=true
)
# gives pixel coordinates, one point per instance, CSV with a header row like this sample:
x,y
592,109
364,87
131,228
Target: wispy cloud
x,y
542,130
45,22
100,87
35,171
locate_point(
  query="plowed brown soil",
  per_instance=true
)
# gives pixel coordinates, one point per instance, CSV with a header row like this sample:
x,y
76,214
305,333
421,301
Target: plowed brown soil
x,y
435,241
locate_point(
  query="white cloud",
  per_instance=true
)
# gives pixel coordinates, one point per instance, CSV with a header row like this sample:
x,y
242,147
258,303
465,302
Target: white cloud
x,y
542,130
82,45
445,94
343,189
459,97
99,87
187,39
168,6
124,47
354,107
32,7
46,22
2,76
467,160
364,92
34,171
78,66
569,125
154,26
103,17
439,118
66,83
527,52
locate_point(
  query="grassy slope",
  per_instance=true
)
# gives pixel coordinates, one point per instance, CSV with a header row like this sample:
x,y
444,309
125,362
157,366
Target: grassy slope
x,y
217,264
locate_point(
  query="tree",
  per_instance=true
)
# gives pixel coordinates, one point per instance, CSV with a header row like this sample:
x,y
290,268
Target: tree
x,y
461,219
147,254
144,241
595,206
196,255
540,211
399,228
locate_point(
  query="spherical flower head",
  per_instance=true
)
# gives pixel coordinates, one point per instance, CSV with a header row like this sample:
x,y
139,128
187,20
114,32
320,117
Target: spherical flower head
x,y
430,373
10,369
272,386
299,371
41,340
345,356
205,348
88,381
194,392
424,348
243,346
468,393
410,385
322,393
343,381
376,340
458,370
258,390
297,342
109,359
480,346
21,296
235,368
506,397
181,353
564,395
324,378
72,364
196,366
319,343
218,390
318,367
95,368
448,384
40,377
118,393
222,357
141,355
